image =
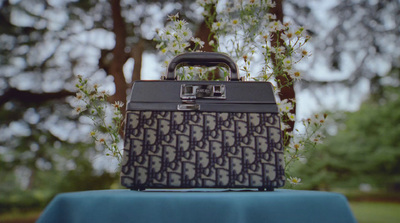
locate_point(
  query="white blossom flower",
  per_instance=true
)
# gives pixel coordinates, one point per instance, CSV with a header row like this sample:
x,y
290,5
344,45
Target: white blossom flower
x,y
275,26
79,109
278,50
294,74
79,96
235,22
198,41
164,51
284,126
217,26
277,91
270,16
173,17
94,133
317,138
296,145
118,104
318,119
180,23
271,3
101,139
95,86
185,34
304,53
285,106
288,35
266,38
294,180
291,116
287,62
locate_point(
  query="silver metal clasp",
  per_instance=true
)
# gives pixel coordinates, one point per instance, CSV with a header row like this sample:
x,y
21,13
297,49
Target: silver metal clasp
x,y
188,107
196,91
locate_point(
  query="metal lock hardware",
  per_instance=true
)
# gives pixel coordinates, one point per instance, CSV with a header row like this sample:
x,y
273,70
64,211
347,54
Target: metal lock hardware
x,y
190,92
202,91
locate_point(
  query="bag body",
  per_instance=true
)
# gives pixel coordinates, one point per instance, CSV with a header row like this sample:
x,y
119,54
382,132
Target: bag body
x,y
202,134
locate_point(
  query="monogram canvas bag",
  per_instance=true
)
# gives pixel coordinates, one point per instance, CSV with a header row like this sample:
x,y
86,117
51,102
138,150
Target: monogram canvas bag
x,y
202,134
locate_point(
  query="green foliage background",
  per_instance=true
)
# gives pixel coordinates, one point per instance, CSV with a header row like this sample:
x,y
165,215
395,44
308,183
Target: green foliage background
x,y
365,150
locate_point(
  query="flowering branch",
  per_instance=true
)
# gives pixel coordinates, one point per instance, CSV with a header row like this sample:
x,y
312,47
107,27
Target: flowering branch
x,y
245,30
92,103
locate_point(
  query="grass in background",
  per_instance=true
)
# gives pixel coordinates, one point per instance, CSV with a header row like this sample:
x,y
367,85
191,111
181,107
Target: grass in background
x,y
365,212
19,216
376,212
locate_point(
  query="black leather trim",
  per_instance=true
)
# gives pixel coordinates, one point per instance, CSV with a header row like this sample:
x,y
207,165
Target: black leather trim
x,y
209,107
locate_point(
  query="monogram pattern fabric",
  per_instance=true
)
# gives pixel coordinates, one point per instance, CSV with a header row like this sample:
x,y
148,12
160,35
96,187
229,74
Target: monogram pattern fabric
x,y
174,149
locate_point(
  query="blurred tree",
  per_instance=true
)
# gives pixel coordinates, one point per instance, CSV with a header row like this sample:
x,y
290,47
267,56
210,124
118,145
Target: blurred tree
x,y
366,147
354,42
355,48
42,45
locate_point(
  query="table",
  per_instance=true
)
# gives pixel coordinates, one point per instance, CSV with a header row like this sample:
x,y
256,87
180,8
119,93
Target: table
x,y
198,206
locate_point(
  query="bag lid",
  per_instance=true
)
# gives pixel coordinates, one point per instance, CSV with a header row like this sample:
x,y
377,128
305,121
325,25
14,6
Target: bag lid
x,y
227,96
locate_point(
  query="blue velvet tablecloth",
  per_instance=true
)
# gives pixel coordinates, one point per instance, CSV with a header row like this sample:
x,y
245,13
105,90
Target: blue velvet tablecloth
x,y
197,206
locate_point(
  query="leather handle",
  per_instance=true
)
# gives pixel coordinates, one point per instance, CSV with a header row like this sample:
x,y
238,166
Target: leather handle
x,y
208,59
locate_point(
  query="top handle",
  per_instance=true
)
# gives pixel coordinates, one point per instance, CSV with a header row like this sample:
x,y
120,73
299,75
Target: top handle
x,y
208,59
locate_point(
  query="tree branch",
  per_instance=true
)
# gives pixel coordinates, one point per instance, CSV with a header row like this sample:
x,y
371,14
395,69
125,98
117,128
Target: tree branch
x,y
119,54
137,55
286,92
27,97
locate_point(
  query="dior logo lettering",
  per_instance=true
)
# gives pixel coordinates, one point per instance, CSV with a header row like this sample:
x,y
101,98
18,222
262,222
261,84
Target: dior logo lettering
x,y
203,91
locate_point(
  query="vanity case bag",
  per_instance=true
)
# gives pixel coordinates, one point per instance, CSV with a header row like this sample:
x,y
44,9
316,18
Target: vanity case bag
x,y
202,134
